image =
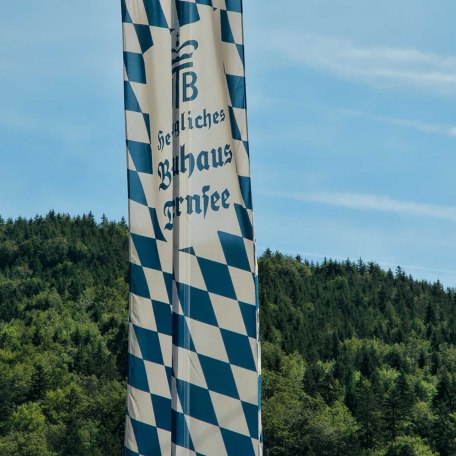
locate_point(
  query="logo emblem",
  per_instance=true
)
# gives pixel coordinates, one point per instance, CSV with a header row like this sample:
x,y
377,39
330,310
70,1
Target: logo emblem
x,y
184,79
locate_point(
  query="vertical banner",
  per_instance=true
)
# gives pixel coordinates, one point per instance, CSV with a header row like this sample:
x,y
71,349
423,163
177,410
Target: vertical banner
x,y
193,381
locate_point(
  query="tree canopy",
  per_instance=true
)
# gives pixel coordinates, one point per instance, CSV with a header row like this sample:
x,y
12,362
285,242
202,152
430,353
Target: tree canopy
x,y
356,360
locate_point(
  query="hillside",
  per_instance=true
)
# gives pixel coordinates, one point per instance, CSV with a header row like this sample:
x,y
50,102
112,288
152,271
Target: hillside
x,y
356,360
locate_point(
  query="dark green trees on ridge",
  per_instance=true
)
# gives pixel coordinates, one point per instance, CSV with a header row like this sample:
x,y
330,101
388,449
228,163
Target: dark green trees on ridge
x,y
367,359
356,360
63,333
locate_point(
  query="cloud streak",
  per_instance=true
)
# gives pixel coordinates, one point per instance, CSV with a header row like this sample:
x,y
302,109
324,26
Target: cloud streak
x,y
425,127
380,66
370,202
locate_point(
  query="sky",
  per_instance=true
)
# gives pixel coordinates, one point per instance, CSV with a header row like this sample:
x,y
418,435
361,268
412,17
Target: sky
x,y
352,123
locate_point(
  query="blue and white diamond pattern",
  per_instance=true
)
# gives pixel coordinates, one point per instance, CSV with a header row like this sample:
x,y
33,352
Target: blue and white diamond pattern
x,y
193,382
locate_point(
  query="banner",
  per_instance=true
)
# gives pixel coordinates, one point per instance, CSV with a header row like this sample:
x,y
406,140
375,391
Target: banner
x,y
193,381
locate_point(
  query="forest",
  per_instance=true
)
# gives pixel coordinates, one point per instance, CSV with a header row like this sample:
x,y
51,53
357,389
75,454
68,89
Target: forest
x,y
356,360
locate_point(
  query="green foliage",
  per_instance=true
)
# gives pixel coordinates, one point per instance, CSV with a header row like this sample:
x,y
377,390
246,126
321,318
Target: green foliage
x,y
283,399
408,446
378,352
356,360
63,329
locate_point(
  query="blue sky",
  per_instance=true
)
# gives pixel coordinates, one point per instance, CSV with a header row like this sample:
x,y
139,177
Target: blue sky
x,y
351,116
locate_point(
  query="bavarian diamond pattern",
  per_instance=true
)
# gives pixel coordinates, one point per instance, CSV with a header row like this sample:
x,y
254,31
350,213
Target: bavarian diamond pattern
x,y
217,412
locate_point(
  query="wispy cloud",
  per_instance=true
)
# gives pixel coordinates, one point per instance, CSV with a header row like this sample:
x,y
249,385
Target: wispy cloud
x,y
380,66
370,202
426,127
